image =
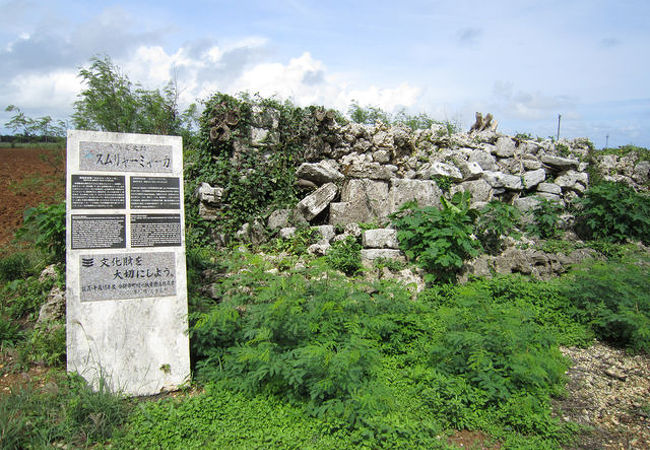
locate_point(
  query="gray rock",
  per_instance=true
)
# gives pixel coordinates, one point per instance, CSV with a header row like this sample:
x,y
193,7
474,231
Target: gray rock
x,y
504,147
315,203
370,170
370,254
367,200
533,178
483,159
381,156
558,162
280,218
430,170
526,204
319,173
480,189
49,273
551,197
319,249
54,306
258,136
642,172
380,238
470,170
573,180
425,192
531,163
208,194
502,180
550,188
287,233
326,232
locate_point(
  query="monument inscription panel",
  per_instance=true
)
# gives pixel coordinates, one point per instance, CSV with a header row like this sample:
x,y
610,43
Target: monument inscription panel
x,y
126,277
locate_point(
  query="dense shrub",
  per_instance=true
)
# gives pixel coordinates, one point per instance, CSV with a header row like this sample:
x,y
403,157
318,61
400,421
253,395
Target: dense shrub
x,y
613,298
438,239
345,256
545,219
614,212
497,219
45,224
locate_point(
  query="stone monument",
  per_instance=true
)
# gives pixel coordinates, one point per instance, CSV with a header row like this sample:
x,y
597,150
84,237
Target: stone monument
x,y
125,263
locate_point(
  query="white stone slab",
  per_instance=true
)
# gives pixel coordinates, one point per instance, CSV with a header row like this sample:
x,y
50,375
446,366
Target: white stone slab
x,y
126,288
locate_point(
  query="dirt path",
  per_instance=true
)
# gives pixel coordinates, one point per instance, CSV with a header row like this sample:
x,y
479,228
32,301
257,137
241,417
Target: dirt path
x,y
28,176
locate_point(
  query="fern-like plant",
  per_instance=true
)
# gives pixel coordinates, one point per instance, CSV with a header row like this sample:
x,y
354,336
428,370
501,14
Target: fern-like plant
x,y
439,240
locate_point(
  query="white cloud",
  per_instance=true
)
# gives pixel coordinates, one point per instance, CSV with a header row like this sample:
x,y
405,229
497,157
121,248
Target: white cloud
x,y
54,91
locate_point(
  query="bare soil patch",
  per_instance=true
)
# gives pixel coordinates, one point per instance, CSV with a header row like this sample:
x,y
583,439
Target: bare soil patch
x,y
28,176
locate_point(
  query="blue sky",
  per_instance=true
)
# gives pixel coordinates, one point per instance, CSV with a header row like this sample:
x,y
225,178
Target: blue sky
x,y
523,61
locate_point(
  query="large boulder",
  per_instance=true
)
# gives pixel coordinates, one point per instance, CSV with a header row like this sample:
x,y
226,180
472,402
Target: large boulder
x,y
361,201
380,238
425,192
319,173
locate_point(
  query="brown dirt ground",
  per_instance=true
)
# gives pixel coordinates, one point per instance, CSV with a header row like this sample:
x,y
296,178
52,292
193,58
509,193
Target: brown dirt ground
x,y
28,176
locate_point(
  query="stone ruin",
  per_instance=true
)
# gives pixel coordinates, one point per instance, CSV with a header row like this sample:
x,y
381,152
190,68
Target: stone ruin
x,y
363,173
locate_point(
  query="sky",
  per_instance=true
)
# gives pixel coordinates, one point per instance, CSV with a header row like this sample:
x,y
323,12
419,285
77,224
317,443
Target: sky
x,y
524,61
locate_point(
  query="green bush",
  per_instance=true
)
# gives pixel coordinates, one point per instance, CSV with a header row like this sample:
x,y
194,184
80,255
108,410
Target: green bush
x,y
613,298
15,266
345,256
438,240
614,212
545,219
497,219
46,226
300,338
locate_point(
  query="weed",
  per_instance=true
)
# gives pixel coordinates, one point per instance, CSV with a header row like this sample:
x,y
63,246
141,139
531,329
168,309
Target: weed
x,y
345,255
497,219
614,212
546,217
438,240
47,224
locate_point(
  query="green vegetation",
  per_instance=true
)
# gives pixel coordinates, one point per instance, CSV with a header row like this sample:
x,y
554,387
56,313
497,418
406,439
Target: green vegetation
x,y
438,239
545,219
67,414
289,352
614,212
497,220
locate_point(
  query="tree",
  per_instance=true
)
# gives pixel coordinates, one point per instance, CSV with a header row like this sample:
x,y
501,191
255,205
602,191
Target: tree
x,y
110,102
45,127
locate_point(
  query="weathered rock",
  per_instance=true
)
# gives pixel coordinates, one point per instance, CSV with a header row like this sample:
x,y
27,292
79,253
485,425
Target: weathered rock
x,y
430,170
49,273
480,189
470,170
319,173
414,282
287,233
381,156
371,254
208,194
550,188
370,170
54,306
577,181
533,178
505,147
280,218
425,192
380,238
326,232
642,172
503,180
531,163
315,203
483,159
526,204
558,162
319,249
362,201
